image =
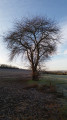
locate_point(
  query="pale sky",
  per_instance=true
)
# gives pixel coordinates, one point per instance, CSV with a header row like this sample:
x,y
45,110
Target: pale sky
x,y
12,10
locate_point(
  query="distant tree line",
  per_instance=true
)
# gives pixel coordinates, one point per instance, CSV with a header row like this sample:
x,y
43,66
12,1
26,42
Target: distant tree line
x,y
55,72
2,66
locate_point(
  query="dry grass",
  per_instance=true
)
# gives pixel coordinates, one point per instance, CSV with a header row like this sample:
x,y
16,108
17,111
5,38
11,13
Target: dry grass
x,y
31,86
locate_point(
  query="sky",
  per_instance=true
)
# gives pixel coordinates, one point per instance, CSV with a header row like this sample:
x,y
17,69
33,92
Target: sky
x,y
13,10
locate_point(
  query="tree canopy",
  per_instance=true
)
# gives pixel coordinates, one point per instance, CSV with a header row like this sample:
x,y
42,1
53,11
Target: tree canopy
x,y
37,38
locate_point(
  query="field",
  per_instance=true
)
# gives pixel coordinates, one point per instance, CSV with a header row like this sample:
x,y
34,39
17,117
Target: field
x,y
12,74
61,86
60,82
12,83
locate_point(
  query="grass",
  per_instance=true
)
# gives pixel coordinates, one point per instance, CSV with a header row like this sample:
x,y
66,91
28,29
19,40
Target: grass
x,y
60,81
63,109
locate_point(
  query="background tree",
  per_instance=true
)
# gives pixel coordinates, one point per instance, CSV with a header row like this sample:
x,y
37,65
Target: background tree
x,y
36,38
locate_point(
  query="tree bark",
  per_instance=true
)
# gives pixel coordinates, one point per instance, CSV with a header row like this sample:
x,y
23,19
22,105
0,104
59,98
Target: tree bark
x,y
34,75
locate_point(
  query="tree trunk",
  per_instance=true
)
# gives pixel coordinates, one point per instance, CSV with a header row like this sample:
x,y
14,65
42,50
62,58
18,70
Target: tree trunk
x,y
34,75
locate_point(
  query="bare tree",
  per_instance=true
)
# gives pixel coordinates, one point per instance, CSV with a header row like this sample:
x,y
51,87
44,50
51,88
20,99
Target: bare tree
x,y
36,38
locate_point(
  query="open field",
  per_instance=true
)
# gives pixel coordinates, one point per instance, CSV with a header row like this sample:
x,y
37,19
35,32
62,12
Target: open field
x,y
59,80
60,83
8,74
61,86
19,102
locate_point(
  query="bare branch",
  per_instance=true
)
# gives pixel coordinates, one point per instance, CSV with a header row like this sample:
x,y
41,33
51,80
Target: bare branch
x,y
37,37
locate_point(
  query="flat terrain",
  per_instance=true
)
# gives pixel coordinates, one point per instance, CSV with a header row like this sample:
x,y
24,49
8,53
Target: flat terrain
x,y
59,80
7,74
23,99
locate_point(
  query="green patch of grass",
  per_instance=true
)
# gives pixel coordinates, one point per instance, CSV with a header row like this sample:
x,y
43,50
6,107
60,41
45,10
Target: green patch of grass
x,y
32,82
